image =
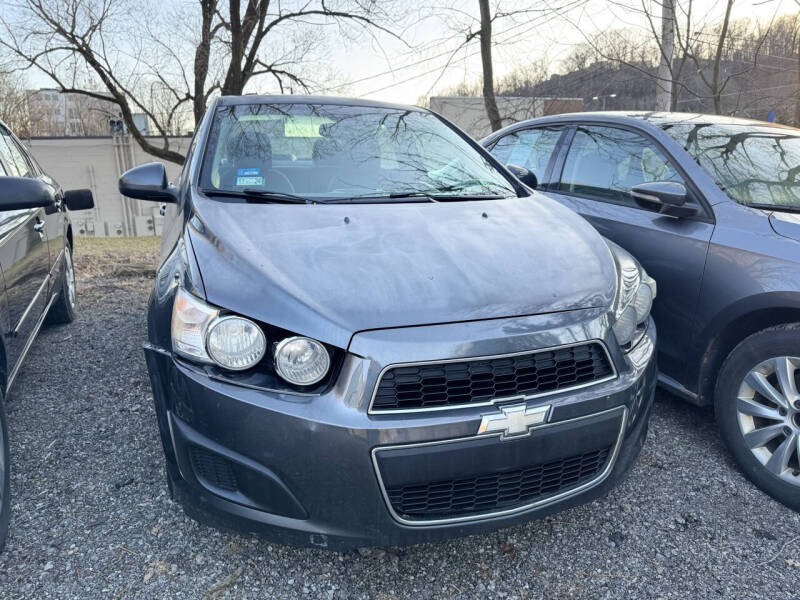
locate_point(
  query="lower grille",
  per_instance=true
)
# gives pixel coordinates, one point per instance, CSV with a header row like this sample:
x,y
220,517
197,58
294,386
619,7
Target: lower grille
x,y
481,380
213,469
496,491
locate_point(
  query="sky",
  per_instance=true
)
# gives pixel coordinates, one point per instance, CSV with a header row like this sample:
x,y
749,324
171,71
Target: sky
x,y
427,61
397,73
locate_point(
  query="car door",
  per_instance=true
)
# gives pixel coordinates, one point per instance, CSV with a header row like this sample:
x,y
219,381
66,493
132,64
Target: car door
x,y
54,216
24,259
594,177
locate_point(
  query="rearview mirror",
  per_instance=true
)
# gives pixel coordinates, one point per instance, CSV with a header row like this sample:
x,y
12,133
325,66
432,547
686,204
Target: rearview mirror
x,y
524,175
17,193
79,199
147,182
665,197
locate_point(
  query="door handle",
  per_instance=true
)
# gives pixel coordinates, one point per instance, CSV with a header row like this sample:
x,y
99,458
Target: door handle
x,y
38,227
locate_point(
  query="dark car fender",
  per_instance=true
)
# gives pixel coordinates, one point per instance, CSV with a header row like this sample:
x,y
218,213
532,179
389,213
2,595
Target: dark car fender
x,y
733,324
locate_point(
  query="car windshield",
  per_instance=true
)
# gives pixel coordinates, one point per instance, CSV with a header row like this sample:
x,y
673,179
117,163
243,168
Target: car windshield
x,y
756,165
330,152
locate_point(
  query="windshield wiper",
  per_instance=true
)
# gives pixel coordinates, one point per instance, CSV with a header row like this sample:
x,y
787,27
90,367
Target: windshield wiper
x,y
388,198
777,207
258,195
464,185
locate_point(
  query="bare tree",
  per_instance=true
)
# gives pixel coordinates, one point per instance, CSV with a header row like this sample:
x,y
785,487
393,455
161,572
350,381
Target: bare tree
x,y
486,63
232,43
13,105
667,50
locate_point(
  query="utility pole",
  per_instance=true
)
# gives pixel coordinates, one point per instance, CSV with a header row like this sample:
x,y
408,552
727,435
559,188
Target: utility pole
x,y
486,59
667,46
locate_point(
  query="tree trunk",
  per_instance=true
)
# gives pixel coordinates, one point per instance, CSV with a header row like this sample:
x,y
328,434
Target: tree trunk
x,y
715,87
202,55
664,96
797,91
486,60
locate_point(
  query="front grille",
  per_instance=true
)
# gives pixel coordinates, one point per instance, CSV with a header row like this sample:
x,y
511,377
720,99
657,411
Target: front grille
x,y
496,491
213,469
478,381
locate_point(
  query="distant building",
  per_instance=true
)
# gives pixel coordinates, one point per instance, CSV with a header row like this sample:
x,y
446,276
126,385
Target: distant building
x,y
53,113
469,112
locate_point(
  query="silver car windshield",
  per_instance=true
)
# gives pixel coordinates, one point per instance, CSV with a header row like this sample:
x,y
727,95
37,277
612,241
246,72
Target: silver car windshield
x,y
330,152
755,165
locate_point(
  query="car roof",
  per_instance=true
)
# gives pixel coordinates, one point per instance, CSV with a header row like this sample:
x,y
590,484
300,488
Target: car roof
x,y
309,99
653,118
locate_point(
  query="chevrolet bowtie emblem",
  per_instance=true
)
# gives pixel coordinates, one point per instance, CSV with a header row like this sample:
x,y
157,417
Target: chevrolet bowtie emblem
x,y
514,420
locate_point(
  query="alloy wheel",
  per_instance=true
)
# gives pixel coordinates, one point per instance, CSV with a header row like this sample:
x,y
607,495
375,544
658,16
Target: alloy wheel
x,y
768,411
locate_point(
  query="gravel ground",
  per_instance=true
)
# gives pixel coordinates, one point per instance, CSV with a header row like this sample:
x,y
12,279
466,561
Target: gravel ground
x,y
91,517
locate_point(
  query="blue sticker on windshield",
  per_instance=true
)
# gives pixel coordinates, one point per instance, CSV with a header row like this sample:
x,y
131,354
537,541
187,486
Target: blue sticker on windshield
x,y
249,172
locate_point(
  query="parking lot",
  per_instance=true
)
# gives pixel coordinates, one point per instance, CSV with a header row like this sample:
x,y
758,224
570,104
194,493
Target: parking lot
x,y
91,517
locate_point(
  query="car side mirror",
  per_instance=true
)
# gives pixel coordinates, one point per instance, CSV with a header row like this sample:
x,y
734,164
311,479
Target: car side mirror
x,y
664,197
524,175
147,182
17,193
79,199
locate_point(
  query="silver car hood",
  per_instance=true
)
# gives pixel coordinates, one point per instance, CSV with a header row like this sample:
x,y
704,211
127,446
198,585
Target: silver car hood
x,y
329,271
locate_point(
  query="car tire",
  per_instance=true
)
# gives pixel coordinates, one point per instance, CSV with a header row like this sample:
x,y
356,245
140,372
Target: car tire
x,y
758,410
5,476
63,309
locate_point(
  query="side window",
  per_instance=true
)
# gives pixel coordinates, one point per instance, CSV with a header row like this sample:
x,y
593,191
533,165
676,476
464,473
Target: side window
x,y
14,156
529,148
605,163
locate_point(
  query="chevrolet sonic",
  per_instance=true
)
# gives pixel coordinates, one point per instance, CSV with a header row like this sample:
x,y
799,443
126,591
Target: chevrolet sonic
x,y
365,331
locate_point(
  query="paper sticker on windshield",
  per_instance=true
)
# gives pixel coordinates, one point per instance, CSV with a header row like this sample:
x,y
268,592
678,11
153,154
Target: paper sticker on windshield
x,y
249,181
249,172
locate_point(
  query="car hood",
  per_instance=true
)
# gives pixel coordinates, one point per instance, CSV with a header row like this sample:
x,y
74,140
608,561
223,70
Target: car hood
x,y
786,224
329,271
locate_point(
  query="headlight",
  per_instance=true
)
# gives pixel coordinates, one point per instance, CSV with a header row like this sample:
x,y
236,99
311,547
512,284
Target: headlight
x,y
301,360
634,300
200,333
235,343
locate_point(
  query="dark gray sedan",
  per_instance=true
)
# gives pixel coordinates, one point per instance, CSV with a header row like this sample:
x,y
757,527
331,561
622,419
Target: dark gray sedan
x,y
711,208
365,331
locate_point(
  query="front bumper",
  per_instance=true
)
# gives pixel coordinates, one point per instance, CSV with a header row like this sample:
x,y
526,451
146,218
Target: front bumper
x,y
319,470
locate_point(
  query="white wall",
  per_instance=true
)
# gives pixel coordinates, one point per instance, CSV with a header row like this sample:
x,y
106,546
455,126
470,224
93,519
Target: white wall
x,y
96,163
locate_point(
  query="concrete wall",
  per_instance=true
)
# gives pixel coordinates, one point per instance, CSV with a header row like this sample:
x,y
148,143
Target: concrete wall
x,y
96,163
469,112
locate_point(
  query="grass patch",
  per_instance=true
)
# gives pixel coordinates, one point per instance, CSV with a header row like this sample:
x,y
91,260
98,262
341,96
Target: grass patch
x,y
116,256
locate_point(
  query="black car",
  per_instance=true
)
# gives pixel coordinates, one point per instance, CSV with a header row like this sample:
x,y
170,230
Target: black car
x,y
37,271
711,207
365,331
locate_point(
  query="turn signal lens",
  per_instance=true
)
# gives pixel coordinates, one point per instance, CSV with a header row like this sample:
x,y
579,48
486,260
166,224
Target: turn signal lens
x,y
190,318
301,360
235,343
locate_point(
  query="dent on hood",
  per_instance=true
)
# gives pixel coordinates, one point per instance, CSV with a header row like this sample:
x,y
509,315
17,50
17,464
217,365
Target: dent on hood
x,y
329,271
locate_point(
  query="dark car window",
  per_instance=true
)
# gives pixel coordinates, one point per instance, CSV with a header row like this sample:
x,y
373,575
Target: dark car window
x,y
331,151
754,164
14,156
606,162
529,148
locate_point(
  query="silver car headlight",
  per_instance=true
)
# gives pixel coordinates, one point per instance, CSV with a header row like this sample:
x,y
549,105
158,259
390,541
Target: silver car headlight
x,y
301,360
200,333
636,291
